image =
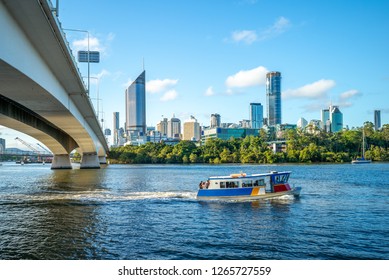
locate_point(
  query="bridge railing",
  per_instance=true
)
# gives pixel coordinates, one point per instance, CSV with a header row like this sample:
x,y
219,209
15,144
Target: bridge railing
x,y
63,34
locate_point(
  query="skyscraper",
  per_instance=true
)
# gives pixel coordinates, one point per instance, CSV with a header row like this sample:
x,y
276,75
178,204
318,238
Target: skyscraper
x,y
136,107
377,119
336,119
325,117
273,96
215,120
115,128
174,128
162,127
256,115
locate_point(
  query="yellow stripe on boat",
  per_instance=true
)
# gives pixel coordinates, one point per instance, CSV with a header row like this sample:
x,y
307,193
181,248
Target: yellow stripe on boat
x,y
254,191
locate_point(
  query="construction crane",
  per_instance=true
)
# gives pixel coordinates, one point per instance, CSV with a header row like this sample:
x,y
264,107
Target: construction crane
x,y
28,145
31,147
46,150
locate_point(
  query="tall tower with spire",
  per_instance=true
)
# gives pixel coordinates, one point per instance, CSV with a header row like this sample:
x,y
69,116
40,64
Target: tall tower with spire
x,y
273,97
136,107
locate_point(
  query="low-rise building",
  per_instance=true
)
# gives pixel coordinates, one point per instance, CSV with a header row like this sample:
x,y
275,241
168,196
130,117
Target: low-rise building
x,y
227,133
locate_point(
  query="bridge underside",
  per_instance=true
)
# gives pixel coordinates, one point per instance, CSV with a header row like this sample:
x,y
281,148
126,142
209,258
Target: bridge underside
x,y
27,107
20,118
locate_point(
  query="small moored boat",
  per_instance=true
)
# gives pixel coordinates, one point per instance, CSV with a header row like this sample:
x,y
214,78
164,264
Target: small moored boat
x,y
247,187
362,159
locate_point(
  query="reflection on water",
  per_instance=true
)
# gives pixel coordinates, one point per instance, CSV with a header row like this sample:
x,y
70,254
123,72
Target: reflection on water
x,y
49,219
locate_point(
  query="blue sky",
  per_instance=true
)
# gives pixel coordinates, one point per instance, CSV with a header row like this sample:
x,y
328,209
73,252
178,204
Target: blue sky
x,y
203,57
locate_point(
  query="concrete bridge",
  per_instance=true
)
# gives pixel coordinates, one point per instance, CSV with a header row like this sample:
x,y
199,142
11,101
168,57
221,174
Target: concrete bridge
x,y
42,93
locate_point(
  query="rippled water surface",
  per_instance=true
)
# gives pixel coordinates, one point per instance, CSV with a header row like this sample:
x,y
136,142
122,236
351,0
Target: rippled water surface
x,y
151,212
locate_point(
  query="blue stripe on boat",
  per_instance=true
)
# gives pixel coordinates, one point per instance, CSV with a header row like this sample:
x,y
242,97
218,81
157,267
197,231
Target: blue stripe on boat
x,y
225,192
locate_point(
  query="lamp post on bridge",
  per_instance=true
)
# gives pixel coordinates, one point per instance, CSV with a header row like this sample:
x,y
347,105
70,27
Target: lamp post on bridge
x,y
85,56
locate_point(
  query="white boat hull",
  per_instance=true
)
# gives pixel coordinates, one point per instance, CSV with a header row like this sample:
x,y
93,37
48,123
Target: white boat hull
x,y
202,195
361,161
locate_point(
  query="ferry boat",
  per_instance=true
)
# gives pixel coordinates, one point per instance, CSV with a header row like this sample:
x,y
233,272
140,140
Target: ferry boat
x,y
247,187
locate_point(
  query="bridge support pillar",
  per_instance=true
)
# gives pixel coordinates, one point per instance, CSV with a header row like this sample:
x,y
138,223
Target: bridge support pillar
x,y
102,160
61,162
90,161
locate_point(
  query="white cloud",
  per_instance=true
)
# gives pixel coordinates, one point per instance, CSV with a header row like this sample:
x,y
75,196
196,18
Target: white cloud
x,y
157,86
280,26
209,91
248,78
246,36
346,97
314,90
82,44
349,94
169,95
101,45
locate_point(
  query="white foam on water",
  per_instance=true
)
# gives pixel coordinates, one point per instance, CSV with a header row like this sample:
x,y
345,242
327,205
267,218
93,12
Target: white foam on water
x,y
98,196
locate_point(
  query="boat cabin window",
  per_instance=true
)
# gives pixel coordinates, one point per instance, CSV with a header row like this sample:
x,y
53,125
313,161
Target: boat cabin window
x,y
228,185
231,185
259,182
280,178
247,184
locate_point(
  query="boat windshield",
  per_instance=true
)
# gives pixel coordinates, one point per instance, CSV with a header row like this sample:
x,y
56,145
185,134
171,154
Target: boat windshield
x,y
280,178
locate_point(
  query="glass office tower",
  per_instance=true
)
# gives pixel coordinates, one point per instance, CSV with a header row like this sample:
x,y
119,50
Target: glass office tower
x,y
136,107
336,118
256,115
377,119
273,96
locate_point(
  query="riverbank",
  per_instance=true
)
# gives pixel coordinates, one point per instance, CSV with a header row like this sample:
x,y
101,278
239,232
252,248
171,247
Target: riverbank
x,y
248,150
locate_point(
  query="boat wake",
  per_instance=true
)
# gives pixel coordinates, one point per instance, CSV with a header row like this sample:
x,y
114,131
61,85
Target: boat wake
x,y
96,196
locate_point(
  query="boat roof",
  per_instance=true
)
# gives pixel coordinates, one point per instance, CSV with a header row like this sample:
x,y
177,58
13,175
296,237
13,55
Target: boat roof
x,y
244,175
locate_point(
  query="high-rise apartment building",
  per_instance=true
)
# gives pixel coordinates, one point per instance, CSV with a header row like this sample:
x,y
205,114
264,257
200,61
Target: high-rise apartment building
x,y
215,120
174,128
256,115
136,107
192,129
162,127
116,128
273,96
377,119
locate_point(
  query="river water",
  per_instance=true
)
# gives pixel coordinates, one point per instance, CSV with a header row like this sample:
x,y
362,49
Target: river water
x,y
151,212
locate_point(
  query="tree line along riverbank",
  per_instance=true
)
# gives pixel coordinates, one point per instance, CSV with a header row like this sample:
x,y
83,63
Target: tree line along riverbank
x,y
301,147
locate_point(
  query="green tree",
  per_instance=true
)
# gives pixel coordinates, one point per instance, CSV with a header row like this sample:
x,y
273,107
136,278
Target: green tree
x,y
193,158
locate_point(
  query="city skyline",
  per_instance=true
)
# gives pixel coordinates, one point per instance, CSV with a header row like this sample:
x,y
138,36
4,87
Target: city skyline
x,y
325,52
